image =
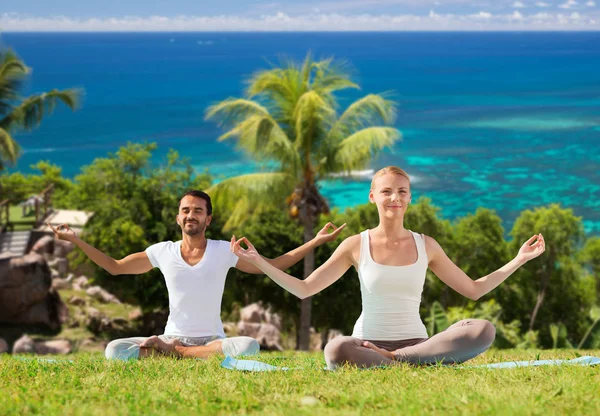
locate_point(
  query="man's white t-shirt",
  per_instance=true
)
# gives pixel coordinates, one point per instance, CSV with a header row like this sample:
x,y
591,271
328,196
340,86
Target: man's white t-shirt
x,y
195,292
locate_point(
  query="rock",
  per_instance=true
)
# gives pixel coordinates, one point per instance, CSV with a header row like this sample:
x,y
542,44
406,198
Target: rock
x,y
60,284
92,345
97,322
26,295
57,346
24,345
153,323
316,340
3,346
102,295
273,319
267,335
309,401
44,245
54,274
81,283
135,314
119,321
230,329
252,313
76,300
7,255
62,266
62,248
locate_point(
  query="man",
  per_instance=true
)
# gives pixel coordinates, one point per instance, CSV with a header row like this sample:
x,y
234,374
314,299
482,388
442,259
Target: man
x,y
194,269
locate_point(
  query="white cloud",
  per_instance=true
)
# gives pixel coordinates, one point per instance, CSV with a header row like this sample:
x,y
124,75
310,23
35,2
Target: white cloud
x,y
590,4
518,5
280,21
482,15
542,4
569,4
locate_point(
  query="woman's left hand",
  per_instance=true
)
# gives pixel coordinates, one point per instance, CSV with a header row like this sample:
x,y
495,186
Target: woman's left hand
x,y
385,353
532,248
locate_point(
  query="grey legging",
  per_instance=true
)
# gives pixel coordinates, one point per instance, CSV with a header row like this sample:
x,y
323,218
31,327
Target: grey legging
x,y
460,342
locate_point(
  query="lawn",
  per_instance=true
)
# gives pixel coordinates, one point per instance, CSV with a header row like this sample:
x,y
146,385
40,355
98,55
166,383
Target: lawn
x,y
91,385
24,223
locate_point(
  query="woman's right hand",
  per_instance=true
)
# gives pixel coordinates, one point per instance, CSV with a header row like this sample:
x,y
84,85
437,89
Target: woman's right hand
x,y
248,254
63,232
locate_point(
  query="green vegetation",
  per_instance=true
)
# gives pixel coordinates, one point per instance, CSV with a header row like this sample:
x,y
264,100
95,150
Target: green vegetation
x,y
289,118
91,385
136,200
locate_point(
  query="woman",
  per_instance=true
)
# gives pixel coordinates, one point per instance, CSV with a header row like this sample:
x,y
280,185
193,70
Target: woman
x,y
391,263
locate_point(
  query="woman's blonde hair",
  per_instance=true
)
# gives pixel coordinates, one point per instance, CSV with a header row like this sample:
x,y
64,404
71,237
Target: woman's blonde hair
x,y
389,169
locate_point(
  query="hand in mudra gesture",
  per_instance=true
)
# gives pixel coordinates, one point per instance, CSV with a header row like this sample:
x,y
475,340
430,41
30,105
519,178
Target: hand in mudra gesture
x,y
63,232
248,254
532,248
324,236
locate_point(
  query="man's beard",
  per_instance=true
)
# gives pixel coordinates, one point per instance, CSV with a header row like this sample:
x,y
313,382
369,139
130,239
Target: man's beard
x,y
194,231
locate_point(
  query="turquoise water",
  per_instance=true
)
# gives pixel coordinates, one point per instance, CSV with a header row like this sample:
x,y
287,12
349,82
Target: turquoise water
x,y
508,121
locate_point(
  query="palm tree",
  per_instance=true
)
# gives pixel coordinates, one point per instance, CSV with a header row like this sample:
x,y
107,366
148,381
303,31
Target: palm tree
x,y
289,122
23,113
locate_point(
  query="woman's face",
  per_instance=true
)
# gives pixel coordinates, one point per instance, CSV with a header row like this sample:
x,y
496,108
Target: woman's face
x,y
391,194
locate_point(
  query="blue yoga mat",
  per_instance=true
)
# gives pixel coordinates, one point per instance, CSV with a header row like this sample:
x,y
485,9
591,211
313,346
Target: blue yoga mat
x,y
514,364
251,365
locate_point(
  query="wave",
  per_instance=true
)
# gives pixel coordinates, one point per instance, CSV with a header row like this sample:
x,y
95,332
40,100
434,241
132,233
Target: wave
x,y
40,150
355,174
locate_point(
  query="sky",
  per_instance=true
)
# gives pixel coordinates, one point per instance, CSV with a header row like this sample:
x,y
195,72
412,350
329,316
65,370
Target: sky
x,y
301,15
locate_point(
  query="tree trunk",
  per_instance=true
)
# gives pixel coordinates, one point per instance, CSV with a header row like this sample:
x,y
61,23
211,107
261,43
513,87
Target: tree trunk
x,y
306,304
540,297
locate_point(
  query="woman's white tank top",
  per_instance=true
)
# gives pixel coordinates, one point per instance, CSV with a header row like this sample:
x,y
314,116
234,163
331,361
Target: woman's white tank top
x,y
391,296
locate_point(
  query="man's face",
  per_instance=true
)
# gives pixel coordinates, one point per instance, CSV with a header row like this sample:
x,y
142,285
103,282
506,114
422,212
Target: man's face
x,y
193,217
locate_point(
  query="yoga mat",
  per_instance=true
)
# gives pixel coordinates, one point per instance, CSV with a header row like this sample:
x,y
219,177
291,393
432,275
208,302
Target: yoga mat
x,y
251,365
42,360
587,360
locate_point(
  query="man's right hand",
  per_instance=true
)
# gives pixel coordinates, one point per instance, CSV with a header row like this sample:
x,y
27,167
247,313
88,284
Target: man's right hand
x,y
64,232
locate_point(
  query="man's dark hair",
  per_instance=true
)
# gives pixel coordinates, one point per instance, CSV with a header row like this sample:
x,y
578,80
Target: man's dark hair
x,y
199,194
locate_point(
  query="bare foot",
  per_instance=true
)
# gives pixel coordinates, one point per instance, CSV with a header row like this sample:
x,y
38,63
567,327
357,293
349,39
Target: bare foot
x,y
164,347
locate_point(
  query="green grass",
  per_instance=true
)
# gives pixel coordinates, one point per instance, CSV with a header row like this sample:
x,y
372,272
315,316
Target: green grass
x,y
91,385
25,223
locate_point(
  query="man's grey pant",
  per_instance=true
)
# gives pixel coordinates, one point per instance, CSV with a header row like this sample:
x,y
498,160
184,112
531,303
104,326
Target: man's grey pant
x,y
129,348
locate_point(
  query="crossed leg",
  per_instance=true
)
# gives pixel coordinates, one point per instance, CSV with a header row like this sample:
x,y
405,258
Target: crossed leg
x,y
141,347
460,342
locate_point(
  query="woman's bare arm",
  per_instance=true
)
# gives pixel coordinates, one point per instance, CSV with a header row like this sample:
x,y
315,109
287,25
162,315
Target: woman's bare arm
x,y
453,276
334,268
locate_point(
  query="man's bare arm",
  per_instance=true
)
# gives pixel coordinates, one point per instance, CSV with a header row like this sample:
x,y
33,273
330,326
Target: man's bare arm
x,y
136,263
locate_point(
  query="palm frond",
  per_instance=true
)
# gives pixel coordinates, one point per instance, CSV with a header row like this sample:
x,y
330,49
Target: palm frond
x,y
331,76
248,195
9,149
11,66
263,138
257,132
312,116
12,73
31,111
281,88
357,150
233,110
370,110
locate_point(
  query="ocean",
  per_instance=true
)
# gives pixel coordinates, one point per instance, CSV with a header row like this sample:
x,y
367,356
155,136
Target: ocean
x,y
507,121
